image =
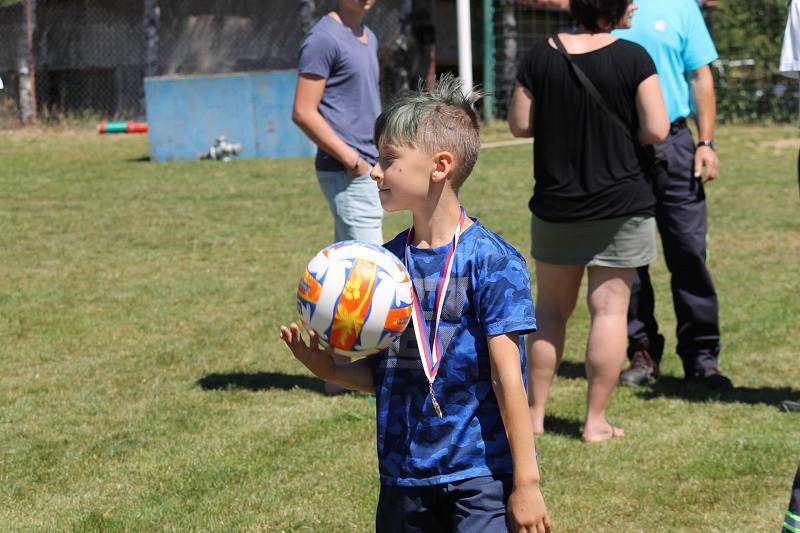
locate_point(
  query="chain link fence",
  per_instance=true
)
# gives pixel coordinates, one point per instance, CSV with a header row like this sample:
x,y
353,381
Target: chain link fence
x,y
748,35
90,56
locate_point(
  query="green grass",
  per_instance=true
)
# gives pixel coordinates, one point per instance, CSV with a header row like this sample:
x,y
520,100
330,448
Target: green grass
x,y
143,385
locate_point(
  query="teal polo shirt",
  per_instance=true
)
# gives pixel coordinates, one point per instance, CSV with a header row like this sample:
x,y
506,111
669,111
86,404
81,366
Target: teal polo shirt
x,y
676,37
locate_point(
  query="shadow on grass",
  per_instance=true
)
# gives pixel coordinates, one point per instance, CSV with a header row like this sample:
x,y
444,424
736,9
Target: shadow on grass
x,y
260,381
672,387
571,370
141,159
555,425
675,387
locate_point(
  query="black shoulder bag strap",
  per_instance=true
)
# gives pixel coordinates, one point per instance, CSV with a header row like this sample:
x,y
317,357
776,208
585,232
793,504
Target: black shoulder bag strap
x,y
654,163
587,83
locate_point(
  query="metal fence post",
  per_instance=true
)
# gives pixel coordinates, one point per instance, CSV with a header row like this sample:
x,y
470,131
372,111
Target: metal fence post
x,y
488,60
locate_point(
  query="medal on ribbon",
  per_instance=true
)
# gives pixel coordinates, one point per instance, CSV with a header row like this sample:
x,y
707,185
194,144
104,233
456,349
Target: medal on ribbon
x,y
431,353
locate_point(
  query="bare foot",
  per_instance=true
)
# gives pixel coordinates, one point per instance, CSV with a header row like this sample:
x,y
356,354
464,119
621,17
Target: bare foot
x,y
604,434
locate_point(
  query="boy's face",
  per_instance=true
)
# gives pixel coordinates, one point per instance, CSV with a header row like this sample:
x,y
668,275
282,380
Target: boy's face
x,y
403,176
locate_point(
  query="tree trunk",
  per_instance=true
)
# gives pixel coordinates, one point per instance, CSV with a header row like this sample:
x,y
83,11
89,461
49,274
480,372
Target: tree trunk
x,y
507,55
307,14
26,67
152,25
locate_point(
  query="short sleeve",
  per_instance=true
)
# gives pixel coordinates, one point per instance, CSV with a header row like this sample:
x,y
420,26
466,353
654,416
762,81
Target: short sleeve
x,y
699,48
790,51
317,54
644,66
503,296
525,71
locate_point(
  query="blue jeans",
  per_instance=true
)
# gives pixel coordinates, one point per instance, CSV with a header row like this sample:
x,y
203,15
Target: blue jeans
x,y
355,204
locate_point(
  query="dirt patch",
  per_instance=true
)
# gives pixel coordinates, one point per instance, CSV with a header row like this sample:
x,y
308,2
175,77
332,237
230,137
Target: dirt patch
x,y
781,144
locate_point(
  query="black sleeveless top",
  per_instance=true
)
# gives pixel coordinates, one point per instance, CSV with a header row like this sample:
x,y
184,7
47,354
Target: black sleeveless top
x,y
585,166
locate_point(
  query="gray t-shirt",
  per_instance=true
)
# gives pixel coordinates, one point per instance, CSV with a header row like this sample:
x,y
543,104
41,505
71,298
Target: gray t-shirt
x,y
351,101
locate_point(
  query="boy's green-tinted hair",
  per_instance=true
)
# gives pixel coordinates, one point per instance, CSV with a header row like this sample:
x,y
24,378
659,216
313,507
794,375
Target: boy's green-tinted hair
x,y
435,118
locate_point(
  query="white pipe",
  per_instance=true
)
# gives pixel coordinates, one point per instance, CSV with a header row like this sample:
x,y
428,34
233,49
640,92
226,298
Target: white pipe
x,y
464,45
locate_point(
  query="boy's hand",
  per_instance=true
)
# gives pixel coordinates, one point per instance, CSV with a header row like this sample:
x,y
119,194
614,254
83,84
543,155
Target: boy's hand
x,y
526,510
320,362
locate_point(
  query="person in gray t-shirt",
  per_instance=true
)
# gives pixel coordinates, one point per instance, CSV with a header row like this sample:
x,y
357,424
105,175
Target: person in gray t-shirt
x,y
336,103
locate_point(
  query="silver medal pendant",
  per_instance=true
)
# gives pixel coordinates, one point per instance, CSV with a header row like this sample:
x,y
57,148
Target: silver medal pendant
x,y
436,406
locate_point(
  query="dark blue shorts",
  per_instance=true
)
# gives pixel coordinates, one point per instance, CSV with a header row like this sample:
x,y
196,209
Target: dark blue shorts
x,y
472,505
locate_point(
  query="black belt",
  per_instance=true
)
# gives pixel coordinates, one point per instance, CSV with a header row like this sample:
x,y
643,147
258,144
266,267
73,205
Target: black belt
x,y
677,126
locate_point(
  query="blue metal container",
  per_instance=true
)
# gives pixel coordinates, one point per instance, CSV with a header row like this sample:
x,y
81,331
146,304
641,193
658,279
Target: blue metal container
x,y
186,114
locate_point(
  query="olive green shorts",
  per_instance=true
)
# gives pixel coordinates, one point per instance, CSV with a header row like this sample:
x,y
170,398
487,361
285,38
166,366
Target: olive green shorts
x,y
623,242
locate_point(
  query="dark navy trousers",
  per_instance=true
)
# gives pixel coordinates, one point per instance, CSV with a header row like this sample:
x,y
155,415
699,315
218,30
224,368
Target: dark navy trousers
x,y
682,223
475,505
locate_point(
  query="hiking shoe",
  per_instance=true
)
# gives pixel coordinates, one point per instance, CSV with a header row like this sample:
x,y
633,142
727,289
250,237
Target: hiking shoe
x,y
712,378
790,407
643,369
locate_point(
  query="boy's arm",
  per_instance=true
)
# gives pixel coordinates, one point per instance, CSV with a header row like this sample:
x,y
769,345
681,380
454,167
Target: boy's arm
x,y
355,376
526,508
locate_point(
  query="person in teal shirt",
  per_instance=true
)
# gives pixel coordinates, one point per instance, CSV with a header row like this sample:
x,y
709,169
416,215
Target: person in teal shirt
x,y
675,35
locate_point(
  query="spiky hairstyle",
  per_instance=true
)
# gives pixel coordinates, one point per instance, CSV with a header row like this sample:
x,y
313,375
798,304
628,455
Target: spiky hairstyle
x,y
434,119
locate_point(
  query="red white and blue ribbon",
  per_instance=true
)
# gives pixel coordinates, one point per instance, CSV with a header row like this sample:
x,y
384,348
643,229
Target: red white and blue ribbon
x,y
431,353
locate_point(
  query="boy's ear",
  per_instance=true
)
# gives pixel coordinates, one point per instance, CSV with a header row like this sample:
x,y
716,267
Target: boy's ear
x,y
443,163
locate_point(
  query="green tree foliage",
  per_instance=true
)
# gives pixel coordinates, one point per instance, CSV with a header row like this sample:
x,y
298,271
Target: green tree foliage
x,y
751,30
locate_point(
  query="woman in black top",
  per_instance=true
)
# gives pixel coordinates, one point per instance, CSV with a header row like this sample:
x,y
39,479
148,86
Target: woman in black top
x,y
592,204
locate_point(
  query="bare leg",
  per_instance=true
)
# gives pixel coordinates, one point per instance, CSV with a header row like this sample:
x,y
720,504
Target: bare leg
x,y
556,293
608,296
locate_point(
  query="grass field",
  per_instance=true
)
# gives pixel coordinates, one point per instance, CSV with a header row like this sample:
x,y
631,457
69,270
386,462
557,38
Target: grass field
x,y
143,386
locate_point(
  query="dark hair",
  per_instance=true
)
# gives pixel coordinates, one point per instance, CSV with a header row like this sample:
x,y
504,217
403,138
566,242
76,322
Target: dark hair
x,y
590,13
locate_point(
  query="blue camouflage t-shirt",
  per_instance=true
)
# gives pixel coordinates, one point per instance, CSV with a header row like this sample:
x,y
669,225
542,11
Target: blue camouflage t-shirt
x,y
489,294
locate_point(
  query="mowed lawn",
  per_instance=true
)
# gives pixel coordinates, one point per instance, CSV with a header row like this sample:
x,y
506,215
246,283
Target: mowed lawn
x,y
143,385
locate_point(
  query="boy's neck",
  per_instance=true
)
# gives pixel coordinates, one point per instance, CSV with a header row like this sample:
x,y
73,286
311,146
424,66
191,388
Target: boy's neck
x,y
435,226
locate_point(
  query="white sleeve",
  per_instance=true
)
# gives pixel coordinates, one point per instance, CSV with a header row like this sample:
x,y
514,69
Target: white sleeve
x,y
790,53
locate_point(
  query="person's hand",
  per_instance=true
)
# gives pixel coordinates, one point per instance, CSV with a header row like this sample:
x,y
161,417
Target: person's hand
x,y
360,169
706,163
320,362
526,511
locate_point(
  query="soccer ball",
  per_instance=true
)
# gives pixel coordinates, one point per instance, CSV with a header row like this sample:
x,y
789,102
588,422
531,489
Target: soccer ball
x,y
356,296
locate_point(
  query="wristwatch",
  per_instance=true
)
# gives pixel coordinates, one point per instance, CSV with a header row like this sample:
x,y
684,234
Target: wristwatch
x,y
708,142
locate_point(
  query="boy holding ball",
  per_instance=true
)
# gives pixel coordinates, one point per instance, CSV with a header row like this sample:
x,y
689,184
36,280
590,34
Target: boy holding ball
x,y
455,442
